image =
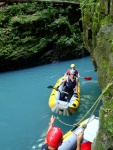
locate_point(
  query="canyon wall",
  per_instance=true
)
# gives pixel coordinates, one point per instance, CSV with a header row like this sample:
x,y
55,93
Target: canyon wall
x,y
97,19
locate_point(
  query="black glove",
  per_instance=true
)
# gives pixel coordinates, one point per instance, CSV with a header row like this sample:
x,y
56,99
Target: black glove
x,y
57,88
75,94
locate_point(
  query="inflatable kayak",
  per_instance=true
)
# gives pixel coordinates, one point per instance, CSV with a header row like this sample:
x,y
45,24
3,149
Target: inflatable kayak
x,y
90,132
63,107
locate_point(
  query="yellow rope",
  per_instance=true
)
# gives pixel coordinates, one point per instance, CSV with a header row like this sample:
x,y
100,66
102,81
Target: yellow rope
x,y
96,102
94,106
64,122
83,116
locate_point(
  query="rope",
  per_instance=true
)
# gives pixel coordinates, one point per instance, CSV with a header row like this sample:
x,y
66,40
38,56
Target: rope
x,y
97,101
94,106
63,122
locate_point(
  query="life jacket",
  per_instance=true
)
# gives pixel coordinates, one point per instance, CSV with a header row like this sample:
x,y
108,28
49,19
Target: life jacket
x,y
45,147
86,146
71,84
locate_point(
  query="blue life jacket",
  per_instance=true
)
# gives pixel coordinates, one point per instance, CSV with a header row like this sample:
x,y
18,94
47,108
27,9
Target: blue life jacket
x,y
71,84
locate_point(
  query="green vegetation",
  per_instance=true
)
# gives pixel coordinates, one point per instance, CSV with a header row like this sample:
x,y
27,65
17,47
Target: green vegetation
x,y
29,30
97,20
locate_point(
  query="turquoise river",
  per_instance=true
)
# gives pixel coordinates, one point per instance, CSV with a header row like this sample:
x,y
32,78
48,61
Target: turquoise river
x,y
24,110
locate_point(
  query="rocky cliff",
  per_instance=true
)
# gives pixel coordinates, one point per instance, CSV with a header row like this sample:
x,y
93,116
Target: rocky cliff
x,y
97,18
34,33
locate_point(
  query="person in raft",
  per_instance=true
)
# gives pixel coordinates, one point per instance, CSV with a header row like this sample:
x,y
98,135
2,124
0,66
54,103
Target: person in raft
x,y
54,138
72,67
71,86
82,145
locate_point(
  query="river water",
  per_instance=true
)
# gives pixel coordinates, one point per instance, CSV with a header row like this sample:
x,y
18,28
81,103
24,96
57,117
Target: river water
x,y
24,110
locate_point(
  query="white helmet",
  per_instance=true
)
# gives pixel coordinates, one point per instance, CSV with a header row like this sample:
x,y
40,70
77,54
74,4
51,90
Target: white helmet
x,y
72,71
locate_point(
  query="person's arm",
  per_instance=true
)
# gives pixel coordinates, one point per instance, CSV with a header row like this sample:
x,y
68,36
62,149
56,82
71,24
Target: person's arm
x,y
52,119
62,82
67,72
76,86
77,73
79,139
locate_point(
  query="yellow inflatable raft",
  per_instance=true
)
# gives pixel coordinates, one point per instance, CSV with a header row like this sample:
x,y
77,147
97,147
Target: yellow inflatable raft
x,y
63,107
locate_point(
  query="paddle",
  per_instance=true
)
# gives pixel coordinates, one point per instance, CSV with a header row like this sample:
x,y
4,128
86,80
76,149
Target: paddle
x,y
86,78
51,87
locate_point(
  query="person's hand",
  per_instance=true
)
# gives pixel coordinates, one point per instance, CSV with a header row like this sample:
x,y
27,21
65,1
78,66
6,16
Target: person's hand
x,y
78,76
75,94
80,137
52,119
74,90
57,88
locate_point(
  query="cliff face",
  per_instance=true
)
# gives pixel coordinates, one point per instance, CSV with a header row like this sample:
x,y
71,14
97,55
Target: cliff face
x,y
33,34
97,18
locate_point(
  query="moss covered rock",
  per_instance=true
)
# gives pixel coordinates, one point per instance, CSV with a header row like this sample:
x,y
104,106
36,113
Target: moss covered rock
x,y
38,33
97,17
